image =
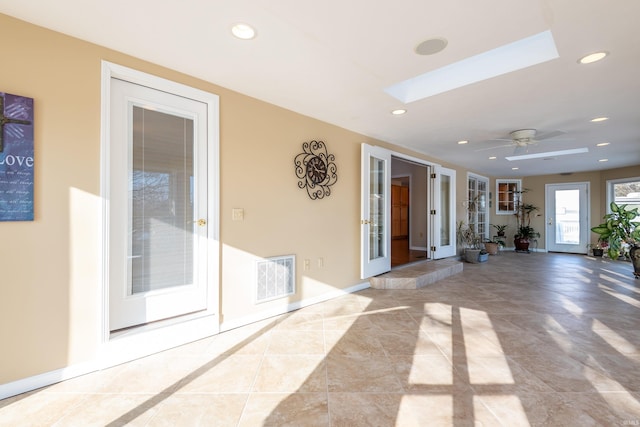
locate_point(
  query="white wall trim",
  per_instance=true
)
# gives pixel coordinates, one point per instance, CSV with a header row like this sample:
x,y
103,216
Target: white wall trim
x,y
42,380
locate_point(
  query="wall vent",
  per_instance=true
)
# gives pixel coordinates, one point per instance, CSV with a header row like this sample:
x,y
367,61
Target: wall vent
x,y
275,277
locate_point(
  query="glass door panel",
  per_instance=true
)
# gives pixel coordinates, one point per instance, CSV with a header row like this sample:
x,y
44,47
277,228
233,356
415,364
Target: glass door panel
x,y
567,214
161,200
375,231
377,247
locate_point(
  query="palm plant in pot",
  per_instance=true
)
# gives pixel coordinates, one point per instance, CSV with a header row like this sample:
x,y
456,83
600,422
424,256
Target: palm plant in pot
x,y
500,229
524,231
622,234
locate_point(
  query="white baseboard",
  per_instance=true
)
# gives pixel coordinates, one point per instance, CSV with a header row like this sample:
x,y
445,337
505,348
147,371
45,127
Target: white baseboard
x,y
112,356
38,381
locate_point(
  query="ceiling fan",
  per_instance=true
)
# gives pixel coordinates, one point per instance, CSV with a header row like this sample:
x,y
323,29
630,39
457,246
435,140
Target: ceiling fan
x,y
521,139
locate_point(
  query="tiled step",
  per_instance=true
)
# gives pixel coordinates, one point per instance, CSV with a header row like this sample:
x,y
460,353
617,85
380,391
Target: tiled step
x,y
417,275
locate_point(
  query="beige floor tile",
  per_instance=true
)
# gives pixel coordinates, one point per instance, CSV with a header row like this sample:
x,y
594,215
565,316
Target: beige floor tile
x,y
235,373
296,342
426,374
301,320
408,343
38,408
201,410
292,373
366,343
361,374
113,410
344,322
364,410
537,409
286,410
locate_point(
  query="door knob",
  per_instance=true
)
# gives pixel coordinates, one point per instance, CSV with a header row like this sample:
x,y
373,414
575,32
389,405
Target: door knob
x,y
202,222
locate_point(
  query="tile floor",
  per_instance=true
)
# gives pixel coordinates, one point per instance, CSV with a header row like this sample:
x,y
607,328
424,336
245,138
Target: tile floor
x,y
523,340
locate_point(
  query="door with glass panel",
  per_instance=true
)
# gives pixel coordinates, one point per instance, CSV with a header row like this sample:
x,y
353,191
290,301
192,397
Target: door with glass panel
x,y
157,205
567,217
444,215
375,223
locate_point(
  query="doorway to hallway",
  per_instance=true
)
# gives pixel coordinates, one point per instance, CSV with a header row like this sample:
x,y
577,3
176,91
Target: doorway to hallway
x,y
409,219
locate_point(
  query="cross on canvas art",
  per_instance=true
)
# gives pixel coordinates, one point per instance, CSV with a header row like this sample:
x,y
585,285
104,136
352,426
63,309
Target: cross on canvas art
x,y
16,158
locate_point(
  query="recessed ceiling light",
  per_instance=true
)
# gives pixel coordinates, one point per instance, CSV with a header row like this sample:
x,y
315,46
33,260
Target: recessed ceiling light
x,y
463,142
603,160
592,57
431,46
243,31
492,158
599,119
602,144
398,112
514,169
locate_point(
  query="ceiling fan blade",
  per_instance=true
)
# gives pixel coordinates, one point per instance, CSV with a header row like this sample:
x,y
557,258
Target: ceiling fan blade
x,y
494,147
549,135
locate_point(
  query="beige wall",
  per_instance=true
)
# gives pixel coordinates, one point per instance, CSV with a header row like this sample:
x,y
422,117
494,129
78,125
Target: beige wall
x,y
51,279
50,268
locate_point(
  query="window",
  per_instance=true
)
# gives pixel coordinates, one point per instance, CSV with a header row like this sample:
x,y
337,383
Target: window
x,y
624,192
477,206
507,191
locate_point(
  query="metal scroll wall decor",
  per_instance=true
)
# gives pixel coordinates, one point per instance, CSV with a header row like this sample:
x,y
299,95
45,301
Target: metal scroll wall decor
x,y
316,170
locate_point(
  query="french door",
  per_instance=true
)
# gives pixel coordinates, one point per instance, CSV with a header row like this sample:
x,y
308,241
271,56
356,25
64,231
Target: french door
x,y
159,210
375,227
443,216
375,222
567,217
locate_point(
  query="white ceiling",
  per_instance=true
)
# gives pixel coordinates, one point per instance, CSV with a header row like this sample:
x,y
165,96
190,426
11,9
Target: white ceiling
x,y
332,60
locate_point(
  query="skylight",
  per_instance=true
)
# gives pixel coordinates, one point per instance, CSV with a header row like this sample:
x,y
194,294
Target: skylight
x,y
514,56
548,154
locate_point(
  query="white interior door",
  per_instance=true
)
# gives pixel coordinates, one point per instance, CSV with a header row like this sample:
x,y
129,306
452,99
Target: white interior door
x,y
444,214
567,217
375,221
158,205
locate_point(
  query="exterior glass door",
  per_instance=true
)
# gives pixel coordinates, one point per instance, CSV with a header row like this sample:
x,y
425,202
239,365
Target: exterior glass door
x,y
158,206
567,218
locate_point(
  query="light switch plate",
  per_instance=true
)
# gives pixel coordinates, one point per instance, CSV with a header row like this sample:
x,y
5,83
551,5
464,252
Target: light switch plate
x,y
237,214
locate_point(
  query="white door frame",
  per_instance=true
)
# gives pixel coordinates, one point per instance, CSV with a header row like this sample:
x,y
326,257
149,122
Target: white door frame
x,y
432,202
141,341
584,218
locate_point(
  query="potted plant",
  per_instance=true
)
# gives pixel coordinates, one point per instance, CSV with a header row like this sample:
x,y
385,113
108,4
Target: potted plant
x,y
493,246
524,231
471,243
622,234
598,248
500,229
